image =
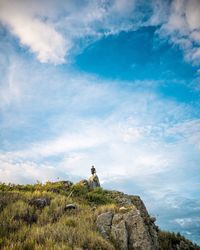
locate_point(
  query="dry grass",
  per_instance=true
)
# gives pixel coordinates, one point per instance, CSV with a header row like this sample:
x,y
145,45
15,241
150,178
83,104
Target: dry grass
x,y
24,226
105,208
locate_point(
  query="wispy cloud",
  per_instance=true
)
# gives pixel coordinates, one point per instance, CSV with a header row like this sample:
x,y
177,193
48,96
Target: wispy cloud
x,y
27,171
33,32
53,31
180,22
187,222
85,120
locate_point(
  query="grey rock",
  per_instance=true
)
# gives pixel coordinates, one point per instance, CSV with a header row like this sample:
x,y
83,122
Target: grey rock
x,y
131,228
119,234
183,245
123,209
67,184
84,183
103,223
153,219
138,233
93,182
70,207
40,202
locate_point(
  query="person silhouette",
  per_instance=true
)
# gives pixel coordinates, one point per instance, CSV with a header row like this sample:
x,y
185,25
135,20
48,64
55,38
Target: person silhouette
x,y
93,170
93,180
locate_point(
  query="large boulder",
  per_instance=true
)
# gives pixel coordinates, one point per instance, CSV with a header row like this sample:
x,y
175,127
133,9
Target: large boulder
x,y
131,228
104,222
119,234
129,231
93,182
84,183
138,232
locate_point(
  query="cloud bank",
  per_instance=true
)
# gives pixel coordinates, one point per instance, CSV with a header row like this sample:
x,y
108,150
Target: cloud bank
x,y
182,26
69,121
56,30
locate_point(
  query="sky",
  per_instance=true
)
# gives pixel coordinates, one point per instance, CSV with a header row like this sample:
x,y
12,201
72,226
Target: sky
x,y
110,83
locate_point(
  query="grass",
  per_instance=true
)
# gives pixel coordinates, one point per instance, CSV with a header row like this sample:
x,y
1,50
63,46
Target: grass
x,y
24,226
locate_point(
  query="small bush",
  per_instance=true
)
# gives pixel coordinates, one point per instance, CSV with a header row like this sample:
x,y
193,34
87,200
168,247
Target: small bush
x,y
57,187
7,198
79,190
98,196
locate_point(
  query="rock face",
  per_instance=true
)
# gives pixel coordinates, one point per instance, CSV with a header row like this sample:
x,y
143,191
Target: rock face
x,y
93,181
119,234
131,228
104,222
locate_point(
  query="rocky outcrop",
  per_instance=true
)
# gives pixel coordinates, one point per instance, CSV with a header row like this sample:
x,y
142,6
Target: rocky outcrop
x,y
131,227
119,233
104,222
84,183
93,182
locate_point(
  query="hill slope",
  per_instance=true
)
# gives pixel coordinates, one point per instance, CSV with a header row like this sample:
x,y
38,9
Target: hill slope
x,y
61,215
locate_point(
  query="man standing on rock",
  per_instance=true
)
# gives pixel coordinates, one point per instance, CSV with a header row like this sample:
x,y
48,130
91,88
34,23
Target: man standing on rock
x,y
93,180
93,170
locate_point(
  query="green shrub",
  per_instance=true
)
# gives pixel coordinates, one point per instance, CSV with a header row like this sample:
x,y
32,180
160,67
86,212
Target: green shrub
x,y
57,187
98,196
7,198
79,190
168,240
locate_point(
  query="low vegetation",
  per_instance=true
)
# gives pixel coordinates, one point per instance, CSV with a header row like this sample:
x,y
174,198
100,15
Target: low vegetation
x,y
168,240
24,225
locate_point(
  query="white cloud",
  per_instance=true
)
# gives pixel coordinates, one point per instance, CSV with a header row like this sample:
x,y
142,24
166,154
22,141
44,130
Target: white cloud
x,y
84,120
33,32
188,222
54,30
119,146
188,131
26,172
9,93
50,29
182,26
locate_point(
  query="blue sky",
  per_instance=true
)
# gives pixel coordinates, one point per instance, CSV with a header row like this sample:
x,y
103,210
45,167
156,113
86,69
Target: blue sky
x,y
115,84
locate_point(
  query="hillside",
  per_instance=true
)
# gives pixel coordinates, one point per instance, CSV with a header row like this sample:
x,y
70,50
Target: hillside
x,y
63,215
